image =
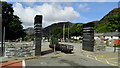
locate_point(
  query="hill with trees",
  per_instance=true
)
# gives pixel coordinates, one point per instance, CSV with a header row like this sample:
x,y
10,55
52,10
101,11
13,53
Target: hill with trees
x,y
46,30
110,22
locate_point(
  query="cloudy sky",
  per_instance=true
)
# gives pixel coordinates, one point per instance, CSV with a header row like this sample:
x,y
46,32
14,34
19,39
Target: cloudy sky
x,y
53,12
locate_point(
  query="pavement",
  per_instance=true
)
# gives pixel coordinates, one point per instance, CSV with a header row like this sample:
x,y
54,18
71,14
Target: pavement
x,y
12,64
79,57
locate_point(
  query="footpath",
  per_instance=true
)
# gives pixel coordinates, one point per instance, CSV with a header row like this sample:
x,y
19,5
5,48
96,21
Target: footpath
x,y
9,63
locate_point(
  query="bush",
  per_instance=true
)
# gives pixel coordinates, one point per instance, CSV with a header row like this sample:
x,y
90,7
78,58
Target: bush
x,y
118,46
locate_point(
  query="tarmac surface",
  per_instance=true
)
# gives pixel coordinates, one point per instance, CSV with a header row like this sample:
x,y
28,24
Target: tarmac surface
x,y
77,58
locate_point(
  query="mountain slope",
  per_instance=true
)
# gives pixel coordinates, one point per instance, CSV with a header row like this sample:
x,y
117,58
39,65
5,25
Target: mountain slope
x,y
46,30
110,22
113,12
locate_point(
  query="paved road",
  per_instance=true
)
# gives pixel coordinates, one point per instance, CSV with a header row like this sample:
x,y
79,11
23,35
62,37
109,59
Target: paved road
x,y
64,61
61,59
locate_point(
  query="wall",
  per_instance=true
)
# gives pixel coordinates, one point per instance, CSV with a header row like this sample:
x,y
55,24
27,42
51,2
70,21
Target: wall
x,y
19,50
115,38
116,41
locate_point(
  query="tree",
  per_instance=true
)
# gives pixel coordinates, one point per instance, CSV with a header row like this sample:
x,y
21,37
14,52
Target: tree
x,y
76,29
28,38
111,24
114,22
57,32
12,24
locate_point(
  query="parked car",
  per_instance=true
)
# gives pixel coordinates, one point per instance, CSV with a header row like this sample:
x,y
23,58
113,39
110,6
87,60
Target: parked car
x,y
57,47
66,48
62,47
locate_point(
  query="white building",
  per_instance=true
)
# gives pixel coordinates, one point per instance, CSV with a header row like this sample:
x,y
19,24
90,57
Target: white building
x,y
109,36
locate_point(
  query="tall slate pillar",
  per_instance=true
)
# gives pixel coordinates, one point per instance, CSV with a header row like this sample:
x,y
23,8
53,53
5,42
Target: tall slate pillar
x,y
88,37
38,34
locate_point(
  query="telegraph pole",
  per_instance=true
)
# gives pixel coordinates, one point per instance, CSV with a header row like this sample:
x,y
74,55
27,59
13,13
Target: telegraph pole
x,y
63,32
68,32
1,35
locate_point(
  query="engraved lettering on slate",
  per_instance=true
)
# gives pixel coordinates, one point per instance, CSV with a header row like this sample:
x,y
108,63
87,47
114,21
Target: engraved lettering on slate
x,y
88,37
38,34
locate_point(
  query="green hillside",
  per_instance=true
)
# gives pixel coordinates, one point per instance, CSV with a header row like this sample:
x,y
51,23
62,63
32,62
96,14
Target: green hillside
x,y
110,22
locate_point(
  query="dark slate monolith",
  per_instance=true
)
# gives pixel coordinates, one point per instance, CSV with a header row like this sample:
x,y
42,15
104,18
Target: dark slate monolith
x,y
88,37
38,34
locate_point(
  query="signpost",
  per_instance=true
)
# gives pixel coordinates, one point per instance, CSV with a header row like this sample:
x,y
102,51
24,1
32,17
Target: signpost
x,y
38,34
88,37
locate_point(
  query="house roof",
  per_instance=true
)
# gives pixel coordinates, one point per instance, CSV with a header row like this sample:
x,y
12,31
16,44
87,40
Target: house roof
x,y
108,34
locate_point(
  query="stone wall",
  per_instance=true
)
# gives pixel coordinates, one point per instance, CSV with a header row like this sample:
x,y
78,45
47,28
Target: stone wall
x,y
100,48
99,45
19,50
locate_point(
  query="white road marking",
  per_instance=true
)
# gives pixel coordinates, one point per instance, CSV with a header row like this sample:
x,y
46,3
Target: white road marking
x,y
107,61
23,63
96,58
